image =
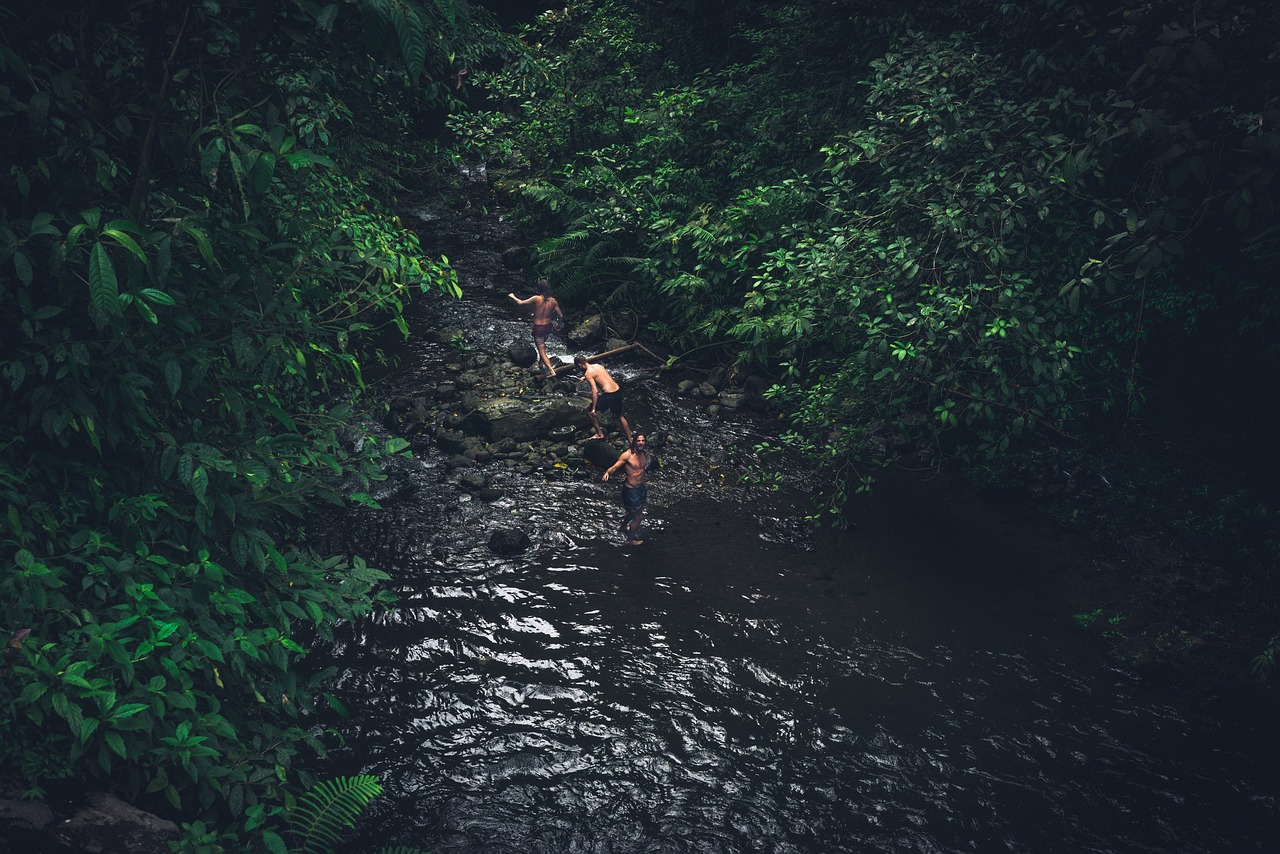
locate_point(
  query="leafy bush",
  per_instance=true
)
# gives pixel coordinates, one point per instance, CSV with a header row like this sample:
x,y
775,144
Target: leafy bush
x,y
190,281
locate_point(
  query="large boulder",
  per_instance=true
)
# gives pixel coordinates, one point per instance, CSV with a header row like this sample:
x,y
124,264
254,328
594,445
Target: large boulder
x,y
522,420
600,453
108,825
588,331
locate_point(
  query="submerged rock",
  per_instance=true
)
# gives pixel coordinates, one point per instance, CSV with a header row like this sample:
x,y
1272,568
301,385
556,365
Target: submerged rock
x,y
508,541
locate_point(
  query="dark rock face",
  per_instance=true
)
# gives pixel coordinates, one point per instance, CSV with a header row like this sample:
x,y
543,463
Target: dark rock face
x,y
508,541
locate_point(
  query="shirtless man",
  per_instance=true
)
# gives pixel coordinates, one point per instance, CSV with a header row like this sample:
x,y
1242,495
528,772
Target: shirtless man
x,y
544,305
634,462
606,395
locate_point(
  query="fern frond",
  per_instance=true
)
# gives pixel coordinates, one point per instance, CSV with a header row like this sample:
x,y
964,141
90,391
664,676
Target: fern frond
x,y
328,810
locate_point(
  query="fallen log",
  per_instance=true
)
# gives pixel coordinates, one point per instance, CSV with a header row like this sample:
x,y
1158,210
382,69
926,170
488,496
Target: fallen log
x,y
633,345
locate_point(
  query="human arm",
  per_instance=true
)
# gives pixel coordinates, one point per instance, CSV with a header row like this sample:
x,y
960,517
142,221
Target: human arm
x,y
519,301
611,469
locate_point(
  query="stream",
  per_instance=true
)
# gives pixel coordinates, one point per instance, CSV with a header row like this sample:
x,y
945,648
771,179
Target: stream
x,y
740,682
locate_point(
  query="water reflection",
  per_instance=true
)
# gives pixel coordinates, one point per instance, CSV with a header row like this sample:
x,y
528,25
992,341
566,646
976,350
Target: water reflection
x,y
625,703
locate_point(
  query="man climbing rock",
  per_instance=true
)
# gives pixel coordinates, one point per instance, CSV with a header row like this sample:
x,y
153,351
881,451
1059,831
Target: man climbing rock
x,y
606,396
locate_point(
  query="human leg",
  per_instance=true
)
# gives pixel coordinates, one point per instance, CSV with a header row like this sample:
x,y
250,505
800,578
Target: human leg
x,y
634,500
541,344
595,424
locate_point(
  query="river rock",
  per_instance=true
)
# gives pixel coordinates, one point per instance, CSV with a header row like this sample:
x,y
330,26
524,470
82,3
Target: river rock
x,y
753,389
732,400
107,825
626,323
588,331
450,441
686,387
521,352
502,418
18,813
472,480
705,390
508,541
718,377
599,452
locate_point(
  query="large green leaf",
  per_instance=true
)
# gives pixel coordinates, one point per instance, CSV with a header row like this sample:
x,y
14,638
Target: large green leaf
x,y
104,293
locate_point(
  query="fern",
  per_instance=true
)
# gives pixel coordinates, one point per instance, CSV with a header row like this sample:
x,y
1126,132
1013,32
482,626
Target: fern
x,y
329,809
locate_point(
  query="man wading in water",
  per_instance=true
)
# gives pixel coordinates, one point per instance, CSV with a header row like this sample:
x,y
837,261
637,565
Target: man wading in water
x,y
635,492
544,305
606,396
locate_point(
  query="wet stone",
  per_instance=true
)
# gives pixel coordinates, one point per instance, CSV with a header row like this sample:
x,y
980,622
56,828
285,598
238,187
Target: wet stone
x,y
732,401
444,391
686,387
508,541
468,379
705,390
472,480
521,352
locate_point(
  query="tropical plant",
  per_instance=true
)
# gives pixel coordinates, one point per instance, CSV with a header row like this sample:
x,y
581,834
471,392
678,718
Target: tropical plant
x,y
195,267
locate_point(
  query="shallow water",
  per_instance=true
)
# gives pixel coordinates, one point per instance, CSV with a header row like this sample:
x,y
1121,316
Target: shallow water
x,y
739,683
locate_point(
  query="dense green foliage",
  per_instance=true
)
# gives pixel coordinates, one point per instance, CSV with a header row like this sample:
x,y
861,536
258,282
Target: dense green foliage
x,y
936,229
192,264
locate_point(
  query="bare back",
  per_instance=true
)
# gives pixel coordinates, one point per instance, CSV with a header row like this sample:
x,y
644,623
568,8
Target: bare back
x,y
599,377
544,307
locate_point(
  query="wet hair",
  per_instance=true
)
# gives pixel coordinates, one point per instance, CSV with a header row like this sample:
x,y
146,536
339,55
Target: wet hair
x,y
580,360
543,287
636,435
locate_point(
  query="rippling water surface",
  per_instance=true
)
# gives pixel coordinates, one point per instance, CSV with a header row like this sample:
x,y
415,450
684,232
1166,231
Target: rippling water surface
x,y
913,684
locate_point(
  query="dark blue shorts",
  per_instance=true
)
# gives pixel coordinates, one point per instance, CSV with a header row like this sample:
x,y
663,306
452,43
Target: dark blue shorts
x,y
634,498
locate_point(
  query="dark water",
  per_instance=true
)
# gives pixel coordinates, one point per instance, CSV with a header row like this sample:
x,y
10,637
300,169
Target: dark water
x,y
737,684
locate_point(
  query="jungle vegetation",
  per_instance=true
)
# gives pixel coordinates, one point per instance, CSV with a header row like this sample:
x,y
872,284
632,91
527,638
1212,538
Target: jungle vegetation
x,y
959,225
943,228
199,260
941,232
